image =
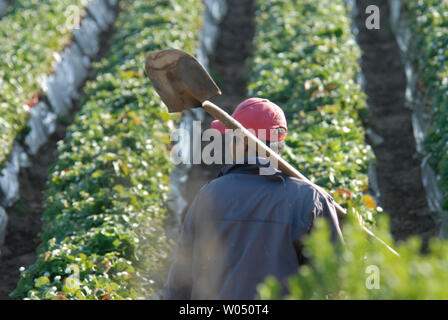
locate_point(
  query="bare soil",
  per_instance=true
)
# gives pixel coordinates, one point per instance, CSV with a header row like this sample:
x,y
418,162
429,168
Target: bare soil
x,y
24,224
397,160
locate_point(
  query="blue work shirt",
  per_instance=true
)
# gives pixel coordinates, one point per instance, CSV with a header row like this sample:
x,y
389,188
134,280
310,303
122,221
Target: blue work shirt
x,y
241,228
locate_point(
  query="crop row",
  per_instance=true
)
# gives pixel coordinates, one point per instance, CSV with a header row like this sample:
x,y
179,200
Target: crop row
x,y
46,51
429,58
29,35
306,62
103,235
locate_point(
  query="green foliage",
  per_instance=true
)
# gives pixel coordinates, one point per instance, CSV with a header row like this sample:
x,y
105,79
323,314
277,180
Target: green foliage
x,y
306,61
428,23
103,235
29,35
363,269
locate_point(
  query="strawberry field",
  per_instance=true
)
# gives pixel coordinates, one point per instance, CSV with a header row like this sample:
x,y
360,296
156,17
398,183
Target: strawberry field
x,y
73,71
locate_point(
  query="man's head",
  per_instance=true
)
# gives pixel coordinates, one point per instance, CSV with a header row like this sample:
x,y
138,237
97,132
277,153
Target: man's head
x,y
264,118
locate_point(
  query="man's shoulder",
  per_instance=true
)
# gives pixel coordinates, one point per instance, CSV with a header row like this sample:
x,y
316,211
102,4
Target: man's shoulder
x,y
308,192
214,185
290,185
296,184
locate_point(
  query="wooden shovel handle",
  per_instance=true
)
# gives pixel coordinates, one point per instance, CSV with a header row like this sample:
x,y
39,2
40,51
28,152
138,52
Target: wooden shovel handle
x,y
230,123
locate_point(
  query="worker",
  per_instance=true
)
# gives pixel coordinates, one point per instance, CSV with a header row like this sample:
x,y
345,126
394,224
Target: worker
x,y
244,226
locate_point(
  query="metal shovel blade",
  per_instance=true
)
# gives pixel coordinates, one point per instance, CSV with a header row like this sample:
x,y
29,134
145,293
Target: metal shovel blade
x,y
180,79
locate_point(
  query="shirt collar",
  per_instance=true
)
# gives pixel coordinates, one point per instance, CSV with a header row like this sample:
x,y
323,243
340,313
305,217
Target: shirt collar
x,y
247,165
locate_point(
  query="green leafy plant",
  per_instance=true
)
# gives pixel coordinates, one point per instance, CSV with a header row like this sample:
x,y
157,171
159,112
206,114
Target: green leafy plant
x,y
363,269
103,235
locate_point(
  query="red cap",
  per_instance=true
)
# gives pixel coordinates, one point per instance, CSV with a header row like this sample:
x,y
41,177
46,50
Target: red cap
x,y
255,114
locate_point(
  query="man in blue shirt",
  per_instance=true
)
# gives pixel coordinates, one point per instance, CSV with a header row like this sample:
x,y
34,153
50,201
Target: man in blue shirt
x,y
244,226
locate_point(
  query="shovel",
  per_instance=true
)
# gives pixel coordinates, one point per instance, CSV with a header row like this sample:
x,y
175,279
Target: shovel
x,y
182,83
